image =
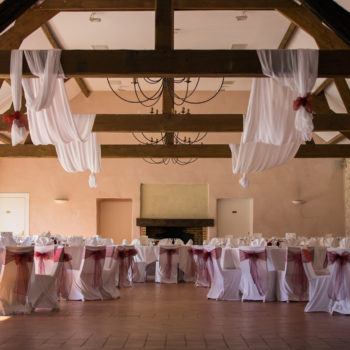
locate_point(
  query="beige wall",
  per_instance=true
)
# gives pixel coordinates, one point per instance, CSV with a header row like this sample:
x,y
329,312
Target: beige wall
x,y
173,201
317,181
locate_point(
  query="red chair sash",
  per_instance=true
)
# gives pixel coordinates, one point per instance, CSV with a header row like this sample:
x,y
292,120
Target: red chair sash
x,y
21,259
299,282
64,280
255,272
169,263
338,287
97,255
205,266
43,256
125,256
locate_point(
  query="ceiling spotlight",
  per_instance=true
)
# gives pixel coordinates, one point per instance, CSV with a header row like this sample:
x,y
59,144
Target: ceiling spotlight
x,y
242,17
93,18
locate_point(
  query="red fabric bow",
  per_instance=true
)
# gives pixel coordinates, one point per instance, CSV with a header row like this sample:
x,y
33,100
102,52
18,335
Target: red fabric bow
x,y
205,262
169,252
97,255
338,289
23,273
253,258
17,117
125,256
303,102
42,257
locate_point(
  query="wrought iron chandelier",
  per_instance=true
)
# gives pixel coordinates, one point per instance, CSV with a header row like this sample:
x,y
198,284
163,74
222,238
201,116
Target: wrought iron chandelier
x,y
160,86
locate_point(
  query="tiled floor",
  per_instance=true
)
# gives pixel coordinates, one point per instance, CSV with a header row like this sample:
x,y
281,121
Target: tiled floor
x,y
154,316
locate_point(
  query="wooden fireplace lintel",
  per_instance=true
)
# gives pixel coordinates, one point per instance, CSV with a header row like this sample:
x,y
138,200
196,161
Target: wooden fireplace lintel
x,y
144,222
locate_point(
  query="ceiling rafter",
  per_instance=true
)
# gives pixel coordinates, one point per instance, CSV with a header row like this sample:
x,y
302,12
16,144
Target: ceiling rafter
x,y
52,38
176,63
170,151
288,36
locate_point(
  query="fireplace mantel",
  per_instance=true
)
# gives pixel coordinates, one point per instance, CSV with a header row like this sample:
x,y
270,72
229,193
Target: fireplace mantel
x,y
147,222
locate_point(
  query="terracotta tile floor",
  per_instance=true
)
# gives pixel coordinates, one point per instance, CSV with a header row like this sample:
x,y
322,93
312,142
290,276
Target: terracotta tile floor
x,y
151,316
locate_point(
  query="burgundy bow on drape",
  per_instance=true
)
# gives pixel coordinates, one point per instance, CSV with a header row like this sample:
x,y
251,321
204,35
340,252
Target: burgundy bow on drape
x,y
169,262
43,256
303,102
338,287
299,283
16,117
97,255
125,256
253,258
23,274
64,280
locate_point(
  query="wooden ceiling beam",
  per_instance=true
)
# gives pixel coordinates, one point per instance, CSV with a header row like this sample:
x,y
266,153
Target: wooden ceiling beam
x,y
333,15
150,5
177,63
287,37
125,123
52,38
170,151
26,24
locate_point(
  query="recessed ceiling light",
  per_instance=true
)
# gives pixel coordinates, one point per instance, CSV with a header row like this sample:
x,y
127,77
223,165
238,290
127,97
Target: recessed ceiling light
x,y
100,47
229,82
242,17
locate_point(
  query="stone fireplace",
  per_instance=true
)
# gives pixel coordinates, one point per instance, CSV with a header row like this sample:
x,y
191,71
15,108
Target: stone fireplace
x,y
185,229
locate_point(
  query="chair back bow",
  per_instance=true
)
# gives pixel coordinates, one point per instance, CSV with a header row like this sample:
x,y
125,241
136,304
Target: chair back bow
x,y
41,256
296,273
205,262
169,262
125,256
97,256
255,270
338,287
21,260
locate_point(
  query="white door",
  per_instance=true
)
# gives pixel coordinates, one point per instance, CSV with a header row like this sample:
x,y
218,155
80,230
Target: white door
x,y
234,216
14,213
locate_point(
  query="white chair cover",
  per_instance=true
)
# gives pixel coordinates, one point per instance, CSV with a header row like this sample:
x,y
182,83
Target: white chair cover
x,y
7,239
75,241
254,281
202,278
167,264
293,282
109,288
15,279
90,280
224,283
43,287
339,284
318,286
187,266
125,256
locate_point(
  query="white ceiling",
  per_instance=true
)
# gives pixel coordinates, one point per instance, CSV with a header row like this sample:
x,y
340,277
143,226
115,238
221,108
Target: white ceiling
x,y
194,30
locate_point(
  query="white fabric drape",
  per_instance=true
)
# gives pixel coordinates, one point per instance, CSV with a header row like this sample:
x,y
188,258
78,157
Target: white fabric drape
x,y
49,116
18,134
273,131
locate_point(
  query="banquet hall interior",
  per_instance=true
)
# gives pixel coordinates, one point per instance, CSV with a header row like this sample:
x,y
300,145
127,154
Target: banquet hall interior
x,y
175,174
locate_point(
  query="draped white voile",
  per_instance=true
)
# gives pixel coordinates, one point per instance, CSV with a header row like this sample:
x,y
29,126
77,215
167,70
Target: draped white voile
x,y
18,134
49,116
273,131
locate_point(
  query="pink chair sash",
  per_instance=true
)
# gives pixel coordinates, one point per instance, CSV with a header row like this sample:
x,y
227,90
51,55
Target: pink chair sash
x,y
64,280
97,255
255,272
125,256
338,289
23,274
193,264
169,262
299,282
205,262
43,256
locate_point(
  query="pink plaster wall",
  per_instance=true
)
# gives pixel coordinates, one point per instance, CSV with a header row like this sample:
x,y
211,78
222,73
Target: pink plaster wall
x,y
318,181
